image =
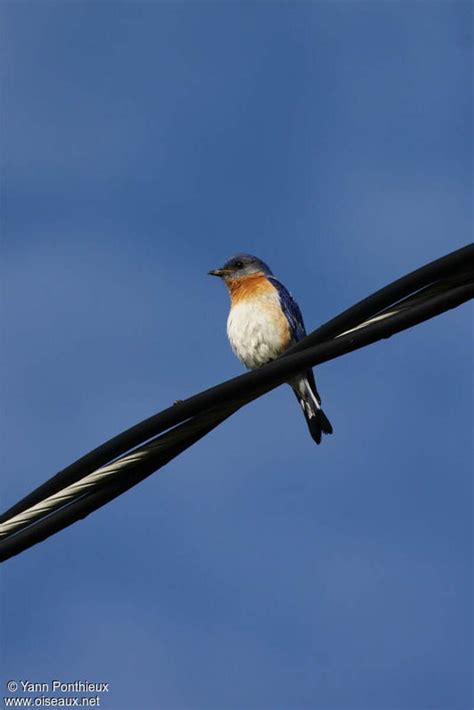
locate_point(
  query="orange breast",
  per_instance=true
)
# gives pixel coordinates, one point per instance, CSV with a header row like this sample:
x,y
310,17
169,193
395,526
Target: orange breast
x,y
247,287
256,302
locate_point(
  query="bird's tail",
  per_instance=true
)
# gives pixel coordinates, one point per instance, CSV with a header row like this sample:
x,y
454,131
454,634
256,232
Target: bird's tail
x,y
308,397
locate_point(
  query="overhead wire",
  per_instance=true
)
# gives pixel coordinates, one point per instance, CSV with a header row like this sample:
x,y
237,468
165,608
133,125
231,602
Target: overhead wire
x,y
101,475
456,263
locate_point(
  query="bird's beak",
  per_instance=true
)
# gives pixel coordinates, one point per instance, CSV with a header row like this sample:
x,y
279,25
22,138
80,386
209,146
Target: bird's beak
x,y
217,272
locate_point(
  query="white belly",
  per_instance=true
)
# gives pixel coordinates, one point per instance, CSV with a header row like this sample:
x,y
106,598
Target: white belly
x,y
257,334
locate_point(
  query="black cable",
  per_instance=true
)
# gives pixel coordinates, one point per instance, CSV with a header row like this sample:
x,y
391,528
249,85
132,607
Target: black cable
x,y
457,262
450,265
188,433
106,492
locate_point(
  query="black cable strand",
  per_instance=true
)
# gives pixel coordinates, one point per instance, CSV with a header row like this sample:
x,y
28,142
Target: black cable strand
x,y
323,352
449,265
184,436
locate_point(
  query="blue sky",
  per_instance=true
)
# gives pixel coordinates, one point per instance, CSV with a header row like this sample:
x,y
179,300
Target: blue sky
x,y
143,144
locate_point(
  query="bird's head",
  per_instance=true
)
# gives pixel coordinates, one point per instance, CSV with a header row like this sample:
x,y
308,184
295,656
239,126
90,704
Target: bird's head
x,y
241,265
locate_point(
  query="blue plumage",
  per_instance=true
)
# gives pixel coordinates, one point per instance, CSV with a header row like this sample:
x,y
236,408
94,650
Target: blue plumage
x,y
295,319
245,263
290,308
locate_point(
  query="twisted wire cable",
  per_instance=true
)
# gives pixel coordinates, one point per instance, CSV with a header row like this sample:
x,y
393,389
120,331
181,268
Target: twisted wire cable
x,y
77,490
153,451
432,275
115,468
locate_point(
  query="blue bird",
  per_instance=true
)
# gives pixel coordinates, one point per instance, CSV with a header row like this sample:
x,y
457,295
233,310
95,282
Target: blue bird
x,y
264,320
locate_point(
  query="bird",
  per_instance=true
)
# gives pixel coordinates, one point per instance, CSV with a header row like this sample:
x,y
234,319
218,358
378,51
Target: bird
x,y
264,320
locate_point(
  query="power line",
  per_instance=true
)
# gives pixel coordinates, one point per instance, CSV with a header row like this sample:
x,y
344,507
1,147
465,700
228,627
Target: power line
x,y
89,483
437,274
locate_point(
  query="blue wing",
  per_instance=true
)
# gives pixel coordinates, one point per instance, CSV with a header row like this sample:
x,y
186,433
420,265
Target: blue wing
x,y
295,319
290,309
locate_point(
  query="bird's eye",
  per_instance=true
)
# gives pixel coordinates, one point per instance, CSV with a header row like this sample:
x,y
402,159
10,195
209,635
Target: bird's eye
x,y
239,264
